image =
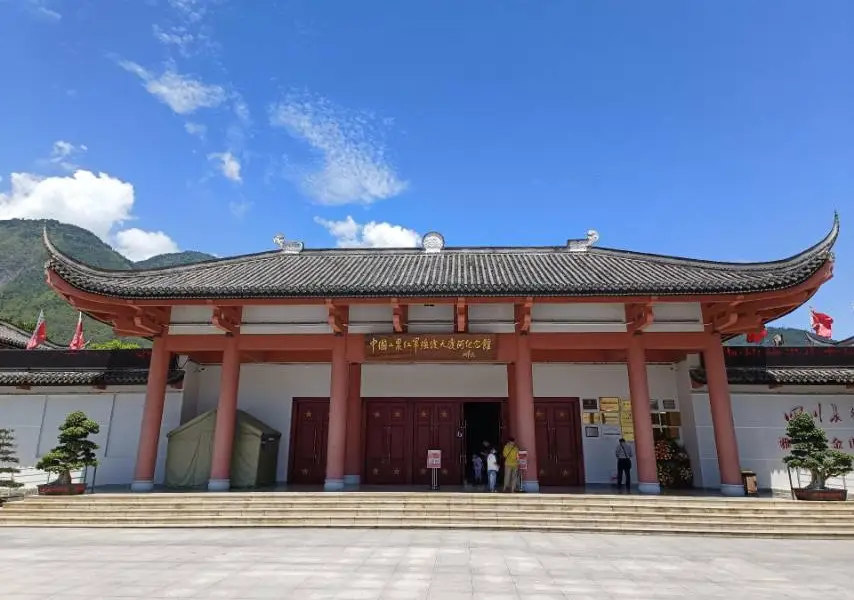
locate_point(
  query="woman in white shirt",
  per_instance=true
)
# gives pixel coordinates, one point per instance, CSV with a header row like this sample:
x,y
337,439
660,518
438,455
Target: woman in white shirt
x,y
492,469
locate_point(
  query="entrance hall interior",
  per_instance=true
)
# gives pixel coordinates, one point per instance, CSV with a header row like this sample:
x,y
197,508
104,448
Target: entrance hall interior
x,y
482,424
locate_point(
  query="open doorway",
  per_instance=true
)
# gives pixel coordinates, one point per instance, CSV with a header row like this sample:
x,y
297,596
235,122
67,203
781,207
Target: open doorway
x,y
483,427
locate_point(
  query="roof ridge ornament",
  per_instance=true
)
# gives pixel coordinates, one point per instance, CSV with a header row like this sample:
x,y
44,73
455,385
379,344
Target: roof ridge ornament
x,y
287,246
583,245
432,242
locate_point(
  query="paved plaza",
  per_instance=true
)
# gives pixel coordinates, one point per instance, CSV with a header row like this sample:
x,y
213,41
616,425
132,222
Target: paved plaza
x,y
449,565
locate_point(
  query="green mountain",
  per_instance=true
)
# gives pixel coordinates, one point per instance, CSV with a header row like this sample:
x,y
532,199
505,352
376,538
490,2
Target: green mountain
x,y
23,291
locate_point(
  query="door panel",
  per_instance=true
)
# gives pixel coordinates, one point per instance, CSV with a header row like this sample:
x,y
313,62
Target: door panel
x,y
435,427
560,459
387,457
308,441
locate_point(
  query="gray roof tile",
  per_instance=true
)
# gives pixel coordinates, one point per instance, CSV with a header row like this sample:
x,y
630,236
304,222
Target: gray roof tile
x,y
15,337
783,375
48,377
484,272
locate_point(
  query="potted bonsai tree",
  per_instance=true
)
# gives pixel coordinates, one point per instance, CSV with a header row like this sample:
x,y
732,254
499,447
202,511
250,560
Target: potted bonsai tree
x,y
811,452
75,451
8,464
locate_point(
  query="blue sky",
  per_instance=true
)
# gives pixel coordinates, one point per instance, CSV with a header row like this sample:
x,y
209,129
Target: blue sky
x,y
715,130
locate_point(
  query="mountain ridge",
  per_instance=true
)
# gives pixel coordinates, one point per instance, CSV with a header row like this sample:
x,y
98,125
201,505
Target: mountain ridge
x,y
24,291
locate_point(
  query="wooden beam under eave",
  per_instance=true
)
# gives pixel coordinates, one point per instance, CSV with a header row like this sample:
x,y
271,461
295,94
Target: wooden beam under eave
x,y
461,316
639,317
399,316
227,319
523,316
336,317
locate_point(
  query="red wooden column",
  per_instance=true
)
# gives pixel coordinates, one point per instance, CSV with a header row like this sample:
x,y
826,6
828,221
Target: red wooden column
x,y
152,417
641,418
722,421
226,418
353,460
524,427
510,425
337,442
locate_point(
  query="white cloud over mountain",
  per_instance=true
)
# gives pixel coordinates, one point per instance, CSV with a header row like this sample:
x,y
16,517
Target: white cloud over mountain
x,y
350,234
97,202
353,165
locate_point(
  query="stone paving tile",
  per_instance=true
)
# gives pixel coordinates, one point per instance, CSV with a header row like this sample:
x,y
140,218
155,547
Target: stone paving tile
x,y
412,565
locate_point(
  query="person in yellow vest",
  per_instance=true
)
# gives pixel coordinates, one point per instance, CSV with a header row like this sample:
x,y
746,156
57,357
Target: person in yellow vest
x,y
511,465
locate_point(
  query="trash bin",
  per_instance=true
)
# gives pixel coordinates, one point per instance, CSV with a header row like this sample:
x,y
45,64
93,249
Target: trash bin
x,y
748,480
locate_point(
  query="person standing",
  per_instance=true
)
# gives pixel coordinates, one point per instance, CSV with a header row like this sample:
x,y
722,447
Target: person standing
x,y
477,468
492,469
624,464
511,465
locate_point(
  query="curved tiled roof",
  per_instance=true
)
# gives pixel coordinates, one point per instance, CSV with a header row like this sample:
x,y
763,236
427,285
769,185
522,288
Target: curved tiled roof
x,y
15,337
483,272
820,341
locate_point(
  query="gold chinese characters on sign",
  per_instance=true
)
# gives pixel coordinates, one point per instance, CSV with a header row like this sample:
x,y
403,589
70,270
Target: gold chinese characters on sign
x,y
429,347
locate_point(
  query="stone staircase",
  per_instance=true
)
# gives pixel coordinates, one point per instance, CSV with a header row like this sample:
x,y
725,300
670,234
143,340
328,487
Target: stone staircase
x,y
743,517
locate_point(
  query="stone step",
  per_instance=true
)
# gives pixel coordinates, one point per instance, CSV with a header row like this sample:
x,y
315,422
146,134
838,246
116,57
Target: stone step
x,y
639,527
782,508
402,511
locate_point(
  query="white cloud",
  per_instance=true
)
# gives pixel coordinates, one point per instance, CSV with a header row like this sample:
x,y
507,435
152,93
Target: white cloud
x,y
180,37
354,167
63,152
183,94
137,244
41,8
228,165
99,203
196,129
350,234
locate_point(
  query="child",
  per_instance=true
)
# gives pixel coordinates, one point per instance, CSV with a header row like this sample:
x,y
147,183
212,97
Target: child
x,y
492,469
477,467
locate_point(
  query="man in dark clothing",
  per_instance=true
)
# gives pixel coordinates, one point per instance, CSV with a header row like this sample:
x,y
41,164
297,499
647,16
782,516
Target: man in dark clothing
x,y
624,464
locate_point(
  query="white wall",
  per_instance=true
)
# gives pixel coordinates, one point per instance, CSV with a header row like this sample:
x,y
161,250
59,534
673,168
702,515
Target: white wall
x,y
760,423
36,415
594,381
267,392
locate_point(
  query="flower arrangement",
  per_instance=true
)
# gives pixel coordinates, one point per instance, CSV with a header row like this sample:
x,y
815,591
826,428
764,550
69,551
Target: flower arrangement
x,y
674,465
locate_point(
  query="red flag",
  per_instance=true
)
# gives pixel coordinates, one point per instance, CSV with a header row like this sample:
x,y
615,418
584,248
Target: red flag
x,y
821,323
77,342
39,333
757,336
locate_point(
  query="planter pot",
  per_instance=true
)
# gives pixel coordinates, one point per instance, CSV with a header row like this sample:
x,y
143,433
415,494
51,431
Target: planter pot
x,y
828,495
53,489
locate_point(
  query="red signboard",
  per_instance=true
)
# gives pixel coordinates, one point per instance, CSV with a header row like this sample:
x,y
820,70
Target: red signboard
x,y
434,459
523,460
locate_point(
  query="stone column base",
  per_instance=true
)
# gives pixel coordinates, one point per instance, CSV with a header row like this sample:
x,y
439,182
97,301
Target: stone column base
x,y
219,485
352,480
652,489
733,491
333,485
142,486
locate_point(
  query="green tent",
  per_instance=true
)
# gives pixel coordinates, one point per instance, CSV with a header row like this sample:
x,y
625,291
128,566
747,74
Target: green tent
x,y
253,458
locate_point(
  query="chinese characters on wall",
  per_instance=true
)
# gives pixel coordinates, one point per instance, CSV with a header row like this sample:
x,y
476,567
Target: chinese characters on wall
x,y
829,413
428,347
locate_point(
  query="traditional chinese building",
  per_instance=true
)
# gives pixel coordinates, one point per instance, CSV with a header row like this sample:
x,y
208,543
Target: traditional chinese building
x,y
367,358
12,337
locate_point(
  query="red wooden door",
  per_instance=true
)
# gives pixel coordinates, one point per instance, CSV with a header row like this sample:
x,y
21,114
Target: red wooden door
x,y
560,459
387,449
435,427
309,432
